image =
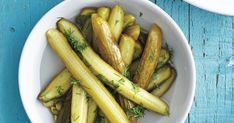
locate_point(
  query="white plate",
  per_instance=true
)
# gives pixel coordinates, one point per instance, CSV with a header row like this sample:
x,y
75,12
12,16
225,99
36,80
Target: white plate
x,y
39,63
225,7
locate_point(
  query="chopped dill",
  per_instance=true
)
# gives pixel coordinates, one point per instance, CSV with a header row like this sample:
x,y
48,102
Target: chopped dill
x,y
155,75
156,86
121,80
152,55
161,60
116,22
138,71
159,64
78,93
116,86
59,90
74,117
137,111
77,82
74,81
99,119
127,73
79,46
135,88
117,74
171,51
103,79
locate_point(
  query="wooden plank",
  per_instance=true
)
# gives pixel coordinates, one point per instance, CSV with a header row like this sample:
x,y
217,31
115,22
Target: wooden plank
x,y
211,38
17,17
178,10
212,41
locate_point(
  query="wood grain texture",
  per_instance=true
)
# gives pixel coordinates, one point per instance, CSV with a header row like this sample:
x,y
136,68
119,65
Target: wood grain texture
x,y
17,18
211,37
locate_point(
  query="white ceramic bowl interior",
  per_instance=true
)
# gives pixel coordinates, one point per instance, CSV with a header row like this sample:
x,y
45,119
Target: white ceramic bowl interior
x,y
39,63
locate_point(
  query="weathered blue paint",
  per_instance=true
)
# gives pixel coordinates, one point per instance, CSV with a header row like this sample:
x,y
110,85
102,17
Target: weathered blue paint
x,y
211,37
17,18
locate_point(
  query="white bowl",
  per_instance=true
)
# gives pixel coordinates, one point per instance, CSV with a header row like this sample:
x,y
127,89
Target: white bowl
x,y
224,7
39,63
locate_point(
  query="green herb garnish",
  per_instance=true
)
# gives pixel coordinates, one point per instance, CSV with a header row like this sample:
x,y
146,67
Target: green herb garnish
x,y
135,88
137,111
152,55
138,71
74,117
155,75
156,86
127,73
116,22
116,86
171,51
103,79
77,82
78,93
74,81
59,90
117,74
78,46
161,61
121,80
99,118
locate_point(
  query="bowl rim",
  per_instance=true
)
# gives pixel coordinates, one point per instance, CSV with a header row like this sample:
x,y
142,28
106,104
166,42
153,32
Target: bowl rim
x,y
148,3
211,8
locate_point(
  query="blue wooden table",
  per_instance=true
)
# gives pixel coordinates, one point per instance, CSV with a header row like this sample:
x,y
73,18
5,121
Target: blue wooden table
x,y
211,37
